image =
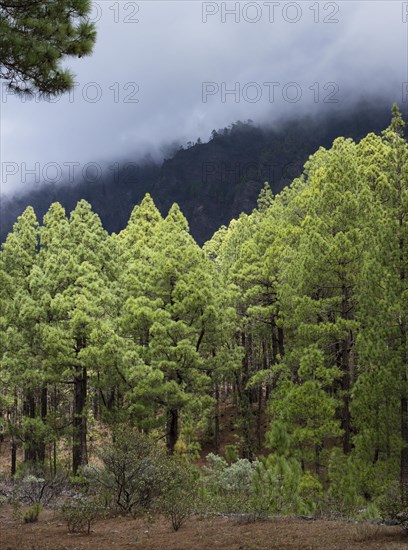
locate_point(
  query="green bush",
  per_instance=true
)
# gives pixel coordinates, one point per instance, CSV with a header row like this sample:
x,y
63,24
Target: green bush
x,y
229,478
80,481
133,475
31,515
276,485
35,488
231,453
310,493
394,505
369,513
81,514
343,498
181,496
228,487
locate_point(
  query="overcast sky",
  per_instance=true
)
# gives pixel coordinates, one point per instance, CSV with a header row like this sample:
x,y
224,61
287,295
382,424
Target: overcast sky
x,y
161,71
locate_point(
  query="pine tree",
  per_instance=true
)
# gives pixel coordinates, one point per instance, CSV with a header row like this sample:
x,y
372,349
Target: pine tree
x,y
380,398
76,285
21,351
169,314
323,271
36,36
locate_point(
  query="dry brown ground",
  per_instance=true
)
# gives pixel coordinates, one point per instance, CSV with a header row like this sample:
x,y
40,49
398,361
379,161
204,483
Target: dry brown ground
x,y
50,533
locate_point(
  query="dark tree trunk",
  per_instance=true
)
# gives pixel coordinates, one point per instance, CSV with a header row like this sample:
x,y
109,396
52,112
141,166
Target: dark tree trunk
x,y
245,399
54,457
13,457
217,419
111,400
281,341
259,419
79,443
44,410
1,432
346,367
172,429
346,417
30,450
318,450
13,447
275,345
404,450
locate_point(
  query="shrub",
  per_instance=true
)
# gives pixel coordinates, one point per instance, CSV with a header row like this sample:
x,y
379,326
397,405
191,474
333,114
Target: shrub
x,y
228,488
133,476
31,515
310,492
343,498
80,481
181,495
225,478
394,505
81,514
369,513
187,444
35,489
276,485
231,453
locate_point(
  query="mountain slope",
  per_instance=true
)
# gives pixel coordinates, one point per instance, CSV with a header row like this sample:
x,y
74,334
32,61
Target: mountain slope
x,y
212,182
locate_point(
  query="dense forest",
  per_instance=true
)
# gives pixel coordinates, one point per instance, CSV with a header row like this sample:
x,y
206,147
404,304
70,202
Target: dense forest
x,y
296,314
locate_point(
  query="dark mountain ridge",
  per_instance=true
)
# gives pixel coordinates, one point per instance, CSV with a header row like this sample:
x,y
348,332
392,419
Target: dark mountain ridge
x,y
212,182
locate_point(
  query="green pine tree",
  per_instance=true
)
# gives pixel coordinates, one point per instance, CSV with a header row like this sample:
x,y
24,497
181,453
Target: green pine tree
x,y
36,36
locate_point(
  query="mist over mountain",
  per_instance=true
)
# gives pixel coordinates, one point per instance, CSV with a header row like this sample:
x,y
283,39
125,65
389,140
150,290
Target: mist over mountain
x,y
212,182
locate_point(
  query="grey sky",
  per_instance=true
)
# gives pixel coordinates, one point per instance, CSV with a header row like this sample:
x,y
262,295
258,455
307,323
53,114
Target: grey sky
x,y
163,59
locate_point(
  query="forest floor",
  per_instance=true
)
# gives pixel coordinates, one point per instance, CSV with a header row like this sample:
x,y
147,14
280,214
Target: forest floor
x,y
50,533
226,533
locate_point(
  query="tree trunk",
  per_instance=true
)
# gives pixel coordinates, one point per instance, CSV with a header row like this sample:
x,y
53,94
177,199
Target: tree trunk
x,y
1,432
318,450
79,444
30,450
345,359
346,417
13,441
259,419
13,457
172,429
41,444
245,401
281,342
404,450
217,419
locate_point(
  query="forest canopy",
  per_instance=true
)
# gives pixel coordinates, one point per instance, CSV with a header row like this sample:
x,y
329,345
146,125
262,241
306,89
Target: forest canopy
x,y
297,314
